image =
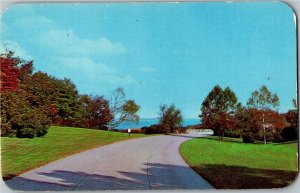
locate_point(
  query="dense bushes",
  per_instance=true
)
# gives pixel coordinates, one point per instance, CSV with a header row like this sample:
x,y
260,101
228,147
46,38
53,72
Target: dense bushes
x,y
153,129
133,131
290,133
233,133
248,137
20,119
158,129
35,123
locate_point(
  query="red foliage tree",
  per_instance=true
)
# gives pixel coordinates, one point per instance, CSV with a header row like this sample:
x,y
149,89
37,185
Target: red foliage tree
x,y
272,119
273,124
292,117
100,114
217,110
9,74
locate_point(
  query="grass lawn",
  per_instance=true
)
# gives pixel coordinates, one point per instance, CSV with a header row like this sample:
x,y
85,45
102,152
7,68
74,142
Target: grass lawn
x,y
20,155
231,164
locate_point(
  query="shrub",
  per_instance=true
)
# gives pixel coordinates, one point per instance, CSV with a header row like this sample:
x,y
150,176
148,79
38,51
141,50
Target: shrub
x,y
153,129
290,133
20,119
272,135
134,131
180,130
26,133
34,123
277,135
233,133
248,137
6,130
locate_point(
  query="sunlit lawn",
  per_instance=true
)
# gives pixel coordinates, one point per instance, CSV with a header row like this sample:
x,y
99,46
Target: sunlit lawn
x,y
233,164
20,155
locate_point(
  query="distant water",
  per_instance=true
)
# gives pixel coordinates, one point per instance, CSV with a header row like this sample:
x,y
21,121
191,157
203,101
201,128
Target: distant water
x,y
148,122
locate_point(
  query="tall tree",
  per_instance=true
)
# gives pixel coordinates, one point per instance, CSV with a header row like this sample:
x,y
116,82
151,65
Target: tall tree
x,y
291,132
218,109
264,100
292,115
295,104
100,115
9,74
170,118
67,104
19,118
122,109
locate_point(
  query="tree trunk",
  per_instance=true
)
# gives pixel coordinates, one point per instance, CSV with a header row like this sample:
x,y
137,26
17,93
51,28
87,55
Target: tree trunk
x,y
265,140
222,134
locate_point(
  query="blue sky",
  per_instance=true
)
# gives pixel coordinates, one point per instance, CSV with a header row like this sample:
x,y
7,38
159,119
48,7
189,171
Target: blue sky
x,y
160,53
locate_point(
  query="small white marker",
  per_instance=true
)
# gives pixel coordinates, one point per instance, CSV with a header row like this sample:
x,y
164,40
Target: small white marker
x,y
129,131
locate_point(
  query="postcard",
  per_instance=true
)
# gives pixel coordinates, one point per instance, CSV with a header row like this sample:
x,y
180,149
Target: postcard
x,y
149,95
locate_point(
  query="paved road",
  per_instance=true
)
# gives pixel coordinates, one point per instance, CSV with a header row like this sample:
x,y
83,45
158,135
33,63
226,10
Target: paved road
x,y
144,163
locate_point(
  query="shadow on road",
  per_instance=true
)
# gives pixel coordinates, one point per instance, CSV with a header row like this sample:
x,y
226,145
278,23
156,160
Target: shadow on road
x,y
154,176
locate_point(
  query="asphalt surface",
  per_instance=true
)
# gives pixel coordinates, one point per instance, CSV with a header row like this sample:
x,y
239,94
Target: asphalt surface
x,y
144,163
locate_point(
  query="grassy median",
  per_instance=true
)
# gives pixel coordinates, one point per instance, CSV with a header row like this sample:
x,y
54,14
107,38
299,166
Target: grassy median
x,y
20,155
231,164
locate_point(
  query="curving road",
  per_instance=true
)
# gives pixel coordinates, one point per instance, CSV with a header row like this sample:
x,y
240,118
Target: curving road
x,y
144,163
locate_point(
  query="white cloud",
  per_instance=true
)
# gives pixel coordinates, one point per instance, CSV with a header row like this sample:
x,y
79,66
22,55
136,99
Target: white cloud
x,y
148,69
34,22
92,71
14,46
67,42
86,65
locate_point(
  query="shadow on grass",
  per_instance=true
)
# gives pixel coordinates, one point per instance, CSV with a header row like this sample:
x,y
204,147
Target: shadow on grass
x,y
234,177
225,139
287,142
240,140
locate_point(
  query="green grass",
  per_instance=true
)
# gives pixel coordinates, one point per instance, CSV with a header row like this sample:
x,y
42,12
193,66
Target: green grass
x,y
231,164
20,155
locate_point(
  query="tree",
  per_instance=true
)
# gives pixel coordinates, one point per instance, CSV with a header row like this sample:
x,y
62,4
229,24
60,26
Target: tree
x,y
246,123
218,109
170,118
263,100
292,115
291,132
41,90
9,74
100,114
295,104
19,118
122,110
67,102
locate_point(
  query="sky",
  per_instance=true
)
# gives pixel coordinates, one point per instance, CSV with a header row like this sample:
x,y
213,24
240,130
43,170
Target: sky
x,y
160,53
